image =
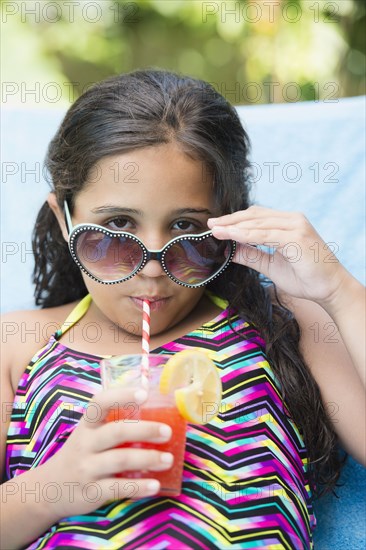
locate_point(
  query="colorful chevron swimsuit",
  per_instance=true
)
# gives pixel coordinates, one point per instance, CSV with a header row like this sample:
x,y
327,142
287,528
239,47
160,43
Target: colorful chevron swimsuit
x,y
245,482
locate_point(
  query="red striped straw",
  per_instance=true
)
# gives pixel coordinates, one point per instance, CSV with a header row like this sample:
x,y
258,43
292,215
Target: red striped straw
x,y
145,336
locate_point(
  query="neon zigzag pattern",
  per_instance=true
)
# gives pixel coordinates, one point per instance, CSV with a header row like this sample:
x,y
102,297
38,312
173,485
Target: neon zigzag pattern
x,y
245,483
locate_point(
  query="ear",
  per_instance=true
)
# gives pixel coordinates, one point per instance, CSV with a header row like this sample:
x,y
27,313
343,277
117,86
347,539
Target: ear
x,y
53,204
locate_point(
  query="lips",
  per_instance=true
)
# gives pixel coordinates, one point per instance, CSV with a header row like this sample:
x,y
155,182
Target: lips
x,y
151,298
156,302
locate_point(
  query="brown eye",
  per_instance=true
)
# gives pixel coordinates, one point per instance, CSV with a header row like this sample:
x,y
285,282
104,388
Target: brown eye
x,y
188,226
120,224
184,225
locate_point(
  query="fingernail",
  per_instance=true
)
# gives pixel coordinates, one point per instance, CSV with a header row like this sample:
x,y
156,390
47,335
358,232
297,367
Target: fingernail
x,y
140,396
211,221
165,431
166,458
153,486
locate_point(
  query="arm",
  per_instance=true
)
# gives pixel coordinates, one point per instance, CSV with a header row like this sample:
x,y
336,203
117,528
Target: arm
x,y
89,456
29,506
18,507
322,294
347,309
333,368
23,504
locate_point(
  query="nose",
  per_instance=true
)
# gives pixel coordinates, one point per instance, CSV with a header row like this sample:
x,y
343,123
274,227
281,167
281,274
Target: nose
x,y
153,267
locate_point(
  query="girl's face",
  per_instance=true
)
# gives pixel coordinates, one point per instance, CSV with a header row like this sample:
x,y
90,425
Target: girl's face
x,y
156,193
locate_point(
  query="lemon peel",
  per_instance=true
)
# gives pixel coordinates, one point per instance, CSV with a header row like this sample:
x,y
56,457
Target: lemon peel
x,y
193,378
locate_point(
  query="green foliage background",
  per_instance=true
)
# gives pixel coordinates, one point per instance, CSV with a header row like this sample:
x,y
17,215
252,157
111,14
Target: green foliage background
x,y
253,51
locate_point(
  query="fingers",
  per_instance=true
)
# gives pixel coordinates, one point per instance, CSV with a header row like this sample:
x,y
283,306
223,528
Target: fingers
x,y
255,258
105,401
264,226
116,461
120,488
255,213
245,235
103,454
119,432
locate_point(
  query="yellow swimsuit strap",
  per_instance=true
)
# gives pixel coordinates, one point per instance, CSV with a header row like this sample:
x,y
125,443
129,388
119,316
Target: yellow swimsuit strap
x,y
220,302
76,314
82,307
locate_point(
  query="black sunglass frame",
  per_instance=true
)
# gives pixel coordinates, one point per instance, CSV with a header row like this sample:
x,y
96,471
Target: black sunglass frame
x,y
74,231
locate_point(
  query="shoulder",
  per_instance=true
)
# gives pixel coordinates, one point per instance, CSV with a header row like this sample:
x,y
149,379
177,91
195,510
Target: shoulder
x,y
34,326
23,333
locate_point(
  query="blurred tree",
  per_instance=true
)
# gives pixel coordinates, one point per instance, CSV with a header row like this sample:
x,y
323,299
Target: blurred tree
x,y
352,64
253,51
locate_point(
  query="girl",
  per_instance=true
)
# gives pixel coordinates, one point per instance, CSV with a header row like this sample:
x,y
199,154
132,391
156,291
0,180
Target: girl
x,y
157,156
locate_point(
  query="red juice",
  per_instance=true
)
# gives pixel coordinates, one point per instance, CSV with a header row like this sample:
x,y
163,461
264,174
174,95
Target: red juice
x,y
158,409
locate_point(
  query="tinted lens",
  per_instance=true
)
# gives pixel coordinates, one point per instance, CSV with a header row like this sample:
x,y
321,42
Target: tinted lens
x,y
193,262
106,257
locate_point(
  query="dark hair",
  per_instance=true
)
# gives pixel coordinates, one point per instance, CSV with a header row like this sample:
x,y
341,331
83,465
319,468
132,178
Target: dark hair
x,y
150,107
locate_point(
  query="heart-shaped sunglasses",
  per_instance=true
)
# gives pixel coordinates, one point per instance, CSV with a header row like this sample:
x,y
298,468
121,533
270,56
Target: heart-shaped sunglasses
x,y
111,257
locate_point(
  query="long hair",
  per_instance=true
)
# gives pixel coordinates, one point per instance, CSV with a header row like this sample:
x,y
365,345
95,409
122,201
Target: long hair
x,y
151,107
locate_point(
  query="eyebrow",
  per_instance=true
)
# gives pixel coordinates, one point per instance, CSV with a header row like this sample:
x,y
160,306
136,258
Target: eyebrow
x,y
113,210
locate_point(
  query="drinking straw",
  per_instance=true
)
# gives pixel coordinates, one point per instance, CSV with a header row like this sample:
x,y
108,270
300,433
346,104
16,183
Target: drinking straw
x,y
145,337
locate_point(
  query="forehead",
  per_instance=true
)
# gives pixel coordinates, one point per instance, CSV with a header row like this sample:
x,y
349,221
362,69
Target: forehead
x,y
153,177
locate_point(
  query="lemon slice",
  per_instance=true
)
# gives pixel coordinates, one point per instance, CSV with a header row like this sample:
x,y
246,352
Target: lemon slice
x,y
196,384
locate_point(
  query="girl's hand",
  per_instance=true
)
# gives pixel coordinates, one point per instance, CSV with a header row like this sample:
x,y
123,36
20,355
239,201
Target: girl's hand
x,y
85,466
302,265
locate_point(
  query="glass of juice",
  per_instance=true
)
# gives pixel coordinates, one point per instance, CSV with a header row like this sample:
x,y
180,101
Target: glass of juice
x,y
130,371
